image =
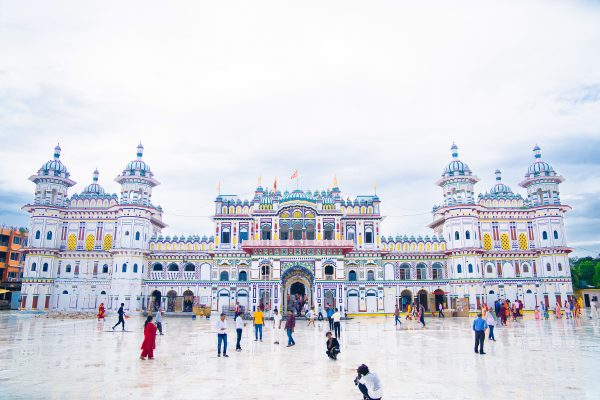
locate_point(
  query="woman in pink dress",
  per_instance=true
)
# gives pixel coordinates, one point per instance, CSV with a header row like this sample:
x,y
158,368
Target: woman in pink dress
x,y
557,310
537,313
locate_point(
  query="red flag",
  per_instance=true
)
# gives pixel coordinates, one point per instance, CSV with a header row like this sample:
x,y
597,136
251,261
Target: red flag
x,y
275,185
294,175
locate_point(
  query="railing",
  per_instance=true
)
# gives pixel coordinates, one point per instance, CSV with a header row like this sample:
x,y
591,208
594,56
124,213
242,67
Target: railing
x,y
156,275
298,243
189,275
172,275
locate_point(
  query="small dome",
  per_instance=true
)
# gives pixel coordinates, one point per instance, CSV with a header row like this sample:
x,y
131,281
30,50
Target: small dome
x,y
54,167
138,166
328,200
94,187
499,187
266,200
539,167
456,167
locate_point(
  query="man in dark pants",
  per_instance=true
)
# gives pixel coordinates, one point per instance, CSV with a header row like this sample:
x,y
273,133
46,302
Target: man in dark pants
x,y
121,313
329,313
479,326
368,383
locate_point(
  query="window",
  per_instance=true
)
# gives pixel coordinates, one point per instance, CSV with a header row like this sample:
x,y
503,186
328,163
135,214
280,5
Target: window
x,y
370,275
350,235
49,235
459,269
467,235
489,269
126,233
297,232
470,268
135,268
37,234
329,271
65,292
103,292
17,240
368,235
555,234
189,268
68,268
14,256
548,267
525,268
45,267
284,233
264,272
224,277
404,272
352,276
243,276
173,267
105,269
328,233
545,235
421,271
157,267
33,267
559,266
225,236
137,236
310,232
437,271
243,235
456,235
266,233
124,268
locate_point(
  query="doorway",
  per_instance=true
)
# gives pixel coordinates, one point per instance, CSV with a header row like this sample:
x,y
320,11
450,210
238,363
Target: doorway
x,y
156,297
422,296
439,298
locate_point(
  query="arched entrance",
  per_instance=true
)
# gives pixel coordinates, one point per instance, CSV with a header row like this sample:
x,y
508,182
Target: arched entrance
x,y
188,301
156,298
171,299
423,299
440,298
407,299
297,288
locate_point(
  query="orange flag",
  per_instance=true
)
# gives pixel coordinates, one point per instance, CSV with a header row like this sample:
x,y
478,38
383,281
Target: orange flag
x,y
294,175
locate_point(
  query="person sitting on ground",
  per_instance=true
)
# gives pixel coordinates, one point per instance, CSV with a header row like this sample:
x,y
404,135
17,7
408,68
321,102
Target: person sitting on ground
x,y
333,346
368,383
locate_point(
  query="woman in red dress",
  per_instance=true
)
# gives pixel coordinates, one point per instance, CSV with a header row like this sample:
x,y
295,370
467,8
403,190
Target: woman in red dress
x,y
101,311
149,343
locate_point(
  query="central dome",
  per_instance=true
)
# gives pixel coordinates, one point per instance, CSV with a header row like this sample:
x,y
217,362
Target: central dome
x,y
94,187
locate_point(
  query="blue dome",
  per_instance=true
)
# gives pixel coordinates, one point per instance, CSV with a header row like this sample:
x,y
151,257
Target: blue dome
x,y
54,167
328,200
499,187
94,188
539,167
298,195
266,200
456,167
138,166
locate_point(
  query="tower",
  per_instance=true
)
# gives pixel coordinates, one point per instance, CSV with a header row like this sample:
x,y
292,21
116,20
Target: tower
x,y
541,182
457,181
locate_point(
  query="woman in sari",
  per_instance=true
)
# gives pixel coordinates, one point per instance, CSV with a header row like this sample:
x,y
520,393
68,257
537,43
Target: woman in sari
x,y
408,309
149,343
503,313
101,311
558,310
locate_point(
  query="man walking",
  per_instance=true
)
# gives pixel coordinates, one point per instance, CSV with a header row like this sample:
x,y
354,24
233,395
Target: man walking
x,y
329,314
276,325
290,324
320,309
479,326
593,308
336,318
397,316
441,311
121,313
239,327
421,315
159,315
258,321
222,335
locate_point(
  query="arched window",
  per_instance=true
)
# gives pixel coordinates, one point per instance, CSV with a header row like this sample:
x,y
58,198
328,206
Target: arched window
x,y
45,267
437,271
124,268
68,268
65,292
33,267
559,266
456,235
470,268
243,234
135,268
370,275
103,292
266,233
105,269
225,236
157,267
243,276
545,235
459,269
264,272
224,277
173,268
49,235
284,232
137,236
189,268
310,232
368,234
329,271
37,234
548,267
328,232
555,234
421,271
467,235
489,269
352,276
405,272
350,234
525,268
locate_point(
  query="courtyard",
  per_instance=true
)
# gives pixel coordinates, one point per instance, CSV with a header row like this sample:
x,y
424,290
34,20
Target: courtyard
x,y
83,359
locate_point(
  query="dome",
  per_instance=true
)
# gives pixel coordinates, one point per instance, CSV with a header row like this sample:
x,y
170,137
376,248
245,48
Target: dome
x,y
94,187
499,187
54,167
266,200
456,167
328,200
539,167
297,195
138,166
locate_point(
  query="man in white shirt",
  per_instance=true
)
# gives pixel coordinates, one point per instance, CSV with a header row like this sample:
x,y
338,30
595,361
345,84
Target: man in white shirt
x,y
368,383
239,326
594,308
222,335
276,325
336,317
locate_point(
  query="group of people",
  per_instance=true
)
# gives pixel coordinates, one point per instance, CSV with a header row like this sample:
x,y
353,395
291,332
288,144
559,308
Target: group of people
x,y
414,311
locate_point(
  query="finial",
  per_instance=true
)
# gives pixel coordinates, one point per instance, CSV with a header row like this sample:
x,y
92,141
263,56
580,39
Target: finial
x,y
140,150
259,180
498,175
57,151
96,173
454,149
335,182
537,152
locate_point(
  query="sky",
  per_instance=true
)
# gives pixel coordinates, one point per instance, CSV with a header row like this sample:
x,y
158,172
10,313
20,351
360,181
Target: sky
x,y
374,93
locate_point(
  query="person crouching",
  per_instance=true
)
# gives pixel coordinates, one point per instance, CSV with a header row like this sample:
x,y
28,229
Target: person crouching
x,y
333,346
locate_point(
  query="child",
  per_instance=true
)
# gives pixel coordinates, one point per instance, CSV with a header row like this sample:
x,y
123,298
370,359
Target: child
x,y
546,313
311,317
537,313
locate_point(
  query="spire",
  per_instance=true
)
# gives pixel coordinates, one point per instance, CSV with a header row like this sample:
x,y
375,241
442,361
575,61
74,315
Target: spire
x,y
259,180
537,152
335,182
140,151
57,152
498,175
95,176
454,149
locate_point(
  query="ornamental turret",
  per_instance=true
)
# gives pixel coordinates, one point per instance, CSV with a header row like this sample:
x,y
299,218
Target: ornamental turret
x,y
137,181
541,182
457,181
52,182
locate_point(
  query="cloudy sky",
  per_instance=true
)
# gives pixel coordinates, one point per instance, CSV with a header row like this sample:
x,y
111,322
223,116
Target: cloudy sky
x,y
369,91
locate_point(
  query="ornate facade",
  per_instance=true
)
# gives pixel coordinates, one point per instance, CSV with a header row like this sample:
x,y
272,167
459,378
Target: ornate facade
x,y
97,247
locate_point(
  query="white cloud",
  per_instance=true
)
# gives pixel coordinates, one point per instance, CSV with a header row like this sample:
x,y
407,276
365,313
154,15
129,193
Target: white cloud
x,y
226,91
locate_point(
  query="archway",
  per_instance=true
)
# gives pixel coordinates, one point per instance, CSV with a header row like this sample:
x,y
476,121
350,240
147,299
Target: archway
x,y
156,299
407,299
188,301
297,286
423,298
171,299
440,298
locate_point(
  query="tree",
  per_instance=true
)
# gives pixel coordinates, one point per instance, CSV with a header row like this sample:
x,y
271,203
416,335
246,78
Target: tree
x,y
585,272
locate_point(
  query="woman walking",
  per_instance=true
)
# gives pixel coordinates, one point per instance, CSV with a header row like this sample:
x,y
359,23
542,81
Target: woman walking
x,y
491,321
149,343
101,312
557,310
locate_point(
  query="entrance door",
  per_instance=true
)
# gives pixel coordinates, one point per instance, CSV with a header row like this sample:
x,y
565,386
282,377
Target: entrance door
x,y
439,298
352,302
188,301
156,298
242,298
329,295
371,302
406,299
223,301
296,297
171,296
529,300
422,296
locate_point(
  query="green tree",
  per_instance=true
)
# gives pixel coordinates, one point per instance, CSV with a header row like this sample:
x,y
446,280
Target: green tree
x,y
585,272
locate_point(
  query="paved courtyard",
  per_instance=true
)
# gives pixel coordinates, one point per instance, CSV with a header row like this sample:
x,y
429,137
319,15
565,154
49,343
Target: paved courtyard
x,y
82,359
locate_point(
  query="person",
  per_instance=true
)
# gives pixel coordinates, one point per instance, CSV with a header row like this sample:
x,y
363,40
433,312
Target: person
x,y
222,335
121,313
258,320
503,314
491,322
536,313
149,343
441,311
320,310
237,307
159,315
515,311
311,317
290,324
479,327
305,309
557,310
276,325
329,314
593,308
572,303
577,311
567,309
422,315
239,326
368,383
397,316
546,311
408,309
333,346
497,308
336,318
101,312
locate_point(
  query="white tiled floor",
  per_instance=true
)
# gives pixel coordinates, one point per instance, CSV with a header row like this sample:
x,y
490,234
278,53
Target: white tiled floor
x,y
45,358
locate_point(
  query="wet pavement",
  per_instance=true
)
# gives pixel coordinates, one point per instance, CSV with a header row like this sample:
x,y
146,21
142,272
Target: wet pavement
x,y
55,359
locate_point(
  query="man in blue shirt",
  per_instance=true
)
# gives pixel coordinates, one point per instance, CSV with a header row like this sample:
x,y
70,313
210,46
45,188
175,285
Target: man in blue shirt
x,y
479,326
329,318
